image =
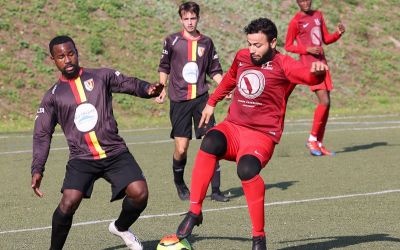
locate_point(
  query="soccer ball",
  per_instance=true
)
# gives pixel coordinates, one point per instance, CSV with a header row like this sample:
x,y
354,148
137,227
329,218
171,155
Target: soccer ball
x,y
172,242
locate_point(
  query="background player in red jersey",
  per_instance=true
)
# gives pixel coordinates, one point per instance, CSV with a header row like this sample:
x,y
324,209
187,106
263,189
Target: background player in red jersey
x,y
262,79
309,30
81,102
187,57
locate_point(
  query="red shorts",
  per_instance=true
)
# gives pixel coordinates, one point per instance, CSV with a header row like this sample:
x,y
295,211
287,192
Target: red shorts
x,y
326,84
245,141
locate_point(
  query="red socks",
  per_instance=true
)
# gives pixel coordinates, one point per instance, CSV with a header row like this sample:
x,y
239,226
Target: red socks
x,y
254,190
320,120
203,171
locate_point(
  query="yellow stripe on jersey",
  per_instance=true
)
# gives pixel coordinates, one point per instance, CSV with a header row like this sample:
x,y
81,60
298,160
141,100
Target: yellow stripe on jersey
x,y
194,51
81,92
194,88
93,137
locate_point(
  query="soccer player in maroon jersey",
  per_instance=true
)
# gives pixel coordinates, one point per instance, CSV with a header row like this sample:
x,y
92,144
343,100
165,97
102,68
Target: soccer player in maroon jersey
x,y
81,103
262,79
187,57
309,30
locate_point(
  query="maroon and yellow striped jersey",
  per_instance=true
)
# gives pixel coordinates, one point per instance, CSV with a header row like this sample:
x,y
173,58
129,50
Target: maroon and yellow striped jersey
x,y
83,108
187,62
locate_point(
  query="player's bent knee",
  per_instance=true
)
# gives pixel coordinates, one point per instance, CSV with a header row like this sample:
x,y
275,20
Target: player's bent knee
x,y
181,152
69,206
248,167
138,192
214,143
70,201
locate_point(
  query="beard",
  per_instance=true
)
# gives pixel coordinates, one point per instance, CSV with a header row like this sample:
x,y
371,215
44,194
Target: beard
x,y
71,74
265,58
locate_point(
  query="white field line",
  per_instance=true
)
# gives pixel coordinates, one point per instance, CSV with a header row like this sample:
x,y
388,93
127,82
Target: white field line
x,y
348,117
66,148
342,129
62,134
169,140
277,203
287,122
344,123
292,123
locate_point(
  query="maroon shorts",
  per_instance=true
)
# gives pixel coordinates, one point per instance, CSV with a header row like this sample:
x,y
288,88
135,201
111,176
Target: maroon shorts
x,y
245,141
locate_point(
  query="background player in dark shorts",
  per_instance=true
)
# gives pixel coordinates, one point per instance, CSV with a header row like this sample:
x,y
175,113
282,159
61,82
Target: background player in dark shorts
x,y
262,79
181,116
309,30
187,57
81,102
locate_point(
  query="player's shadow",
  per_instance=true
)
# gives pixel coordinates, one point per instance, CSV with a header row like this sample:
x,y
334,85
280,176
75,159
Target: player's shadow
x,y
238,191
338,241
115,247
362,147
151,244
194,237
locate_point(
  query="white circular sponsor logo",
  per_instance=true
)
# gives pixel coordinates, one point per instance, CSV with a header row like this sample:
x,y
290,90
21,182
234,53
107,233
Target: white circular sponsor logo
x,y
85,117
316,36
251,84
190,72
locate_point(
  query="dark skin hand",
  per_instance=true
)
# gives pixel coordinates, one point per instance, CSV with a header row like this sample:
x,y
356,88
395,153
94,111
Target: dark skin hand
x,y
155,89
315,51
36,180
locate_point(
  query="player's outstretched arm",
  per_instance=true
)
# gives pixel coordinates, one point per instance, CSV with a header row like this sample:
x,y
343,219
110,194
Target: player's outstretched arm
x,y
36,180
155,89
208,111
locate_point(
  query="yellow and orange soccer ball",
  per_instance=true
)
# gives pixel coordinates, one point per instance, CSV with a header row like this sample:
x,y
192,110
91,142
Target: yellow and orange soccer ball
x,y
172,242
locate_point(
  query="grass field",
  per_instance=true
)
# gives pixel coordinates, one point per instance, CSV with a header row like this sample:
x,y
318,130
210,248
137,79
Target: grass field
x,y
350,201
128,35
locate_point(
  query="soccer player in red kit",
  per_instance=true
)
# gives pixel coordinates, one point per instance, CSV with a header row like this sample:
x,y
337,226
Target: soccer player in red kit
x,y
309,30
262,79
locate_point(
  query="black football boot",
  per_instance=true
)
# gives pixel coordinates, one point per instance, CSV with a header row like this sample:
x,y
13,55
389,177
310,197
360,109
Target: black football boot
x,y
183,191
259,243
188,223
218,196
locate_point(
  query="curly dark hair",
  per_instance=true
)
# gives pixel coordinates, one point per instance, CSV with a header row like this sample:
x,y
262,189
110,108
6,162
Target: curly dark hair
x,y
59,40
263,25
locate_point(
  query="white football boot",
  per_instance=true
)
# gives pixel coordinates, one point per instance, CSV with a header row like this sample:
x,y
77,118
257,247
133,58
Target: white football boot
x,y
129,238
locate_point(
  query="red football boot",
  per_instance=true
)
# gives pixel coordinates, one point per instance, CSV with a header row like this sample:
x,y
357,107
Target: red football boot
x,y
325,151
315,150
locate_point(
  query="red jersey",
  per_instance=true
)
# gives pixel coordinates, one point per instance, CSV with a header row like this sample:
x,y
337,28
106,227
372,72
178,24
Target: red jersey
x,y
309,30
261,92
